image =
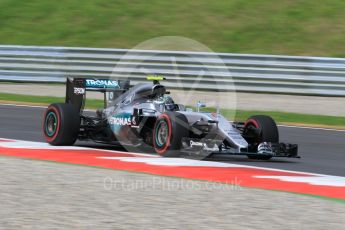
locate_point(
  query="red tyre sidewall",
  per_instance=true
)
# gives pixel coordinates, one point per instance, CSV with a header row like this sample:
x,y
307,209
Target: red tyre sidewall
x,y
163,150
56,111
253,122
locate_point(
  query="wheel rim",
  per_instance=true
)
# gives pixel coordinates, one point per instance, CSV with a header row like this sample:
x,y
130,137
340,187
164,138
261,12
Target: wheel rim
x,y
162,133
51,124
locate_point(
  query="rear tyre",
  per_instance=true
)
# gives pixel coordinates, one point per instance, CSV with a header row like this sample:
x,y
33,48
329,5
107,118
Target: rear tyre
x,y
61,124
169,129
267,132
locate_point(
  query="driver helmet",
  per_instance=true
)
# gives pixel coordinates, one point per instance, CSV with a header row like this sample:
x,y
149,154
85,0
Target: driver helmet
x,y
169,103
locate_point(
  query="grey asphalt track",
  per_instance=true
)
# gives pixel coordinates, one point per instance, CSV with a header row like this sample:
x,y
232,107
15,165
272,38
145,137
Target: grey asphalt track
x,y
322,151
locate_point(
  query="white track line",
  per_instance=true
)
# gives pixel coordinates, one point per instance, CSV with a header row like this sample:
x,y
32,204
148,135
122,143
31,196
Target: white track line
x,y
314,128
45,145
151,157
29,106
37,106
286,126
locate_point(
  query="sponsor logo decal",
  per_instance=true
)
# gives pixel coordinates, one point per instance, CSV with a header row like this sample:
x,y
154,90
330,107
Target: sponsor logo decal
x,y
203,146
118,121
134,122
102,83
79,91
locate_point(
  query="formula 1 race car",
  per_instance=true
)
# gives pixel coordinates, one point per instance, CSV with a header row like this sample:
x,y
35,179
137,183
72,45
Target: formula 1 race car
x,y
145,117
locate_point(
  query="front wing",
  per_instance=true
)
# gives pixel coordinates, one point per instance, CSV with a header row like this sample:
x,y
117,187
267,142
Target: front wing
x,y
208,149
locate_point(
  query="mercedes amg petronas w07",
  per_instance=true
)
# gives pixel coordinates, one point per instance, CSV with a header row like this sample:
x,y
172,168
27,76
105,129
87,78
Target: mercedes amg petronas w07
x,y
145,117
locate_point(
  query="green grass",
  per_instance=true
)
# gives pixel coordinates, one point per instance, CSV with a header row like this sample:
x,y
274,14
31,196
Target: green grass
x,y
45,100
296,27
286,117
240,115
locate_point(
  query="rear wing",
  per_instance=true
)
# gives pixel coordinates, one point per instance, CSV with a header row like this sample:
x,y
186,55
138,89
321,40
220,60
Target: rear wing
x,y
76,89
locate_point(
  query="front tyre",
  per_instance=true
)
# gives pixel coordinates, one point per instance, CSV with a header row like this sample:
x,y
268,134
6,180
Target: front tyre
x,y
169,129
266,130
61,124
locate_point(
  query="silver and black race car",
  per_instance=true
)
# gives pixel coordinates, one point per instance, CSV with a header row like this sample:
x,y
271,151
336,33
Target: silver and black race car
x,y
144,117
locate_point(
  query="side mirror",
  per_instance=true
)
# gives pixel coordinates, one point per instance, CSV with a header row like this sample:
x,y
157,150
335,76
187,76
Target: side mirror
x,y
200,105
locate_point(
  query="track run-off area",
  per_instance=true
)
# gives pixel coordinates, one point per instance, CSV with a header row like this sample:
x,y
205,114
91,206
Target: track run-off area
x,y
320,171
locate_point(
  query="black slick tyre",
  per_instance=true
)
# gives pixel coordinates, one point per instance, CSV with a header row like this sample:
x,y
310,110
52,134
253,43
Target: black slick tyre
x,y
169,129
267,132
61,124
